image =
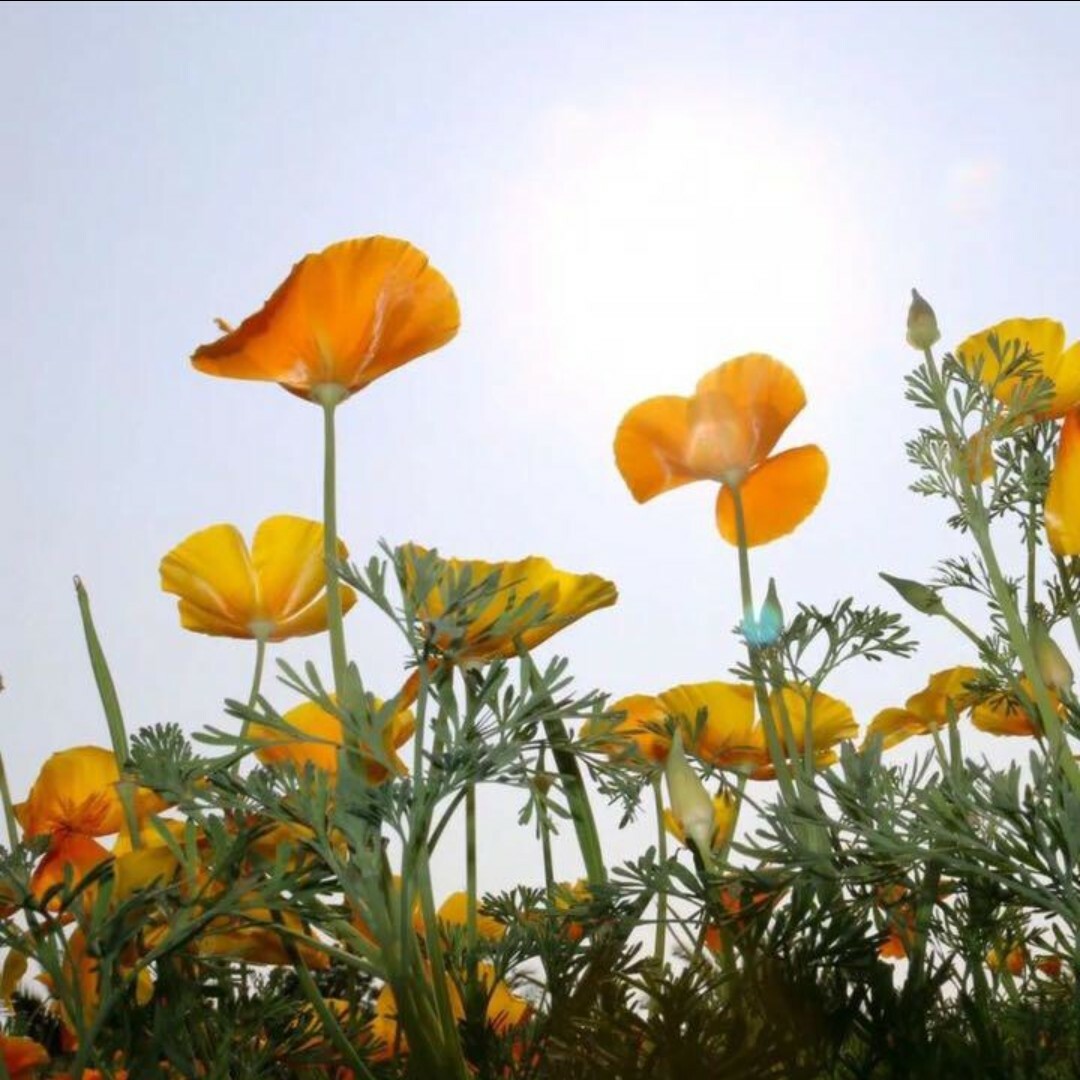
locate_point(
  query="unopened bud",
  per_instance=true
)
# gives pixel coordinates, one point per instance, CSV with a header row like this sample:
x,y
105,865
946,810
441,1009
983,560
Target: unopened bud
x,y
922,327
921,597
691,804
1055,670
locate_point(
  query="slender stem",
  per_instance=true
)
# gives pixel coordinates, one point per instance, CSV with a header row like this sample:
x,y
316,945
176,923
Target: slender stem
x,y
256,678
1031,568
470,874
9,808
543,823
776,752
661,892
330,551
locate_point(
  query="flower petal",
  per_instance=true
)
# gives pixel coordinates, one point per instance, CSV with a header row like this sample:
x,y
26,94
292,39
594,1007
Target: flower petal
x,y
638,738
313,619
830,720
287,554
726,736
1063,495
211,572
1044,338
651,447
344,316
71,852
75,791
777,497
320,749
740,409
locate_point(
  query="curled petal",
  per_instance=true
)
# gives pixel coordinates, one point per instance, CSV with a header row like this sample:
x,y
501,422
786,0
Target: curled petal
x,y
651,447
343,317
1063,494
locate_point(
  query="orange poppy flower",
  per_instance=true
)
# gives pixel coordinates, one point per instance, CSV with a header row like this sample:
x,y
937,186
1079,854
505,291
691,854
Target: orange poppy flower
x,y
506,604
637,738
454,912
275,591
1005,714
22,1056
327,737
726,432
342,318
926,710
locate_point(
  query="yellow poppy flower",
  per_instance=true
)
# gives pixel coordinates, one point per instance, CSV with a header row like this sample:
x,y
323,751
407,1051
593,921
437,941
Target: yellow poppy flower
x,y
327,737
1044,340
726,432
1062,510
277,590
526,603
342,318
732,736
926,710
637,738
1005,714
254,936
22,1056
69,853
454,912
76,791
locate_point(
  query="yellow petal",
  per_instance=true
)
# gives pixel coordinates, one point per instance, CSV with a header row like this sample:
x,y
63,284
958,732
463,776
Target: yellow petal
x,y
830,720
1063,494
287,554
651,446
777,497
70,854
211,572
342,317
738,413
454,912
15,965
894,726
1044,338
726,737
320,749
932,704
313,619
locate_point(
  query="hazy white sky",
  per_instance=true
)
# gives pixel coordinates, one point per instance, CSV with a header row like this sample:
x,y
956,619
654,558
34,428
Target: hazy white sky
x,y
623,195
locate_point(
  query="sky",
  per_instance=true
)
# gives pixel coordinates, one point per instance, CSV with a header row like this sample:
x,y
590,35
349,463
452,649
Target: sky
x,y
623,196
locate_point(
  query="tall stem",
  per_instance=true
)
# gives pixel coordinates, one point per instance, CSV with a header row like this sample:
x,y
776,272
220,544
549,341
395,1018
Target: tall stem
x,y
330,552
659,947
256,678
768,723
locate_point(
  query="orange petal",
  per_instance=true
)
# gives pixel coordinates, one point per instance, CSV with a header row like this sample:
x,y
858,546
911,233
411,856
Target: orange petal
x,y
777,497
894,726
738,413
1063,494
638,737
22,1056
320,749
342,317
651,447
830,719
75,791
726,737
932,704
69,852
287,554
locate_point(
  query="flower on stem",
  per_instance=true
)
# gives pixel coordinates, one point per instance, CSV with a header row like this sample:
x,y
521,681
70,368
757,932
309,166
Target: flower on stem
x,y
341,319
925,711
275,591
480,611
726,432
1054,669
326,737
633,732
453,912
693,814
720,725
1009,714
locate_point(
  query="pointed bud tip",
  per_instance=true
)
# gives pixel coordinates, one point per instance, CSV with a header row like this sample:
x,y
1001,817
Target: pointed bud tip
x,y
922,326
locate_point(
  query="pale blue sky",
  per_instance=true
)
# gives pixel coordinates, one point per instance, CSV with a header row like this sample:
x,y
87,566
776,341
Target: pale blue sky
x,y
623,195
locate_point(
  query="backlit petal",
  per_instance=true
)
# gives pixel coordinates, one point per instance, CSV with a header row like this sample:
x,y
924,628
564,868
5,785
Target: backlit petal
x,y
1063,494
75,791
212,571
638,737
651,446
313,619
1044,338
70,854
343,316
726,735
830,720
777,497
894,726
739,411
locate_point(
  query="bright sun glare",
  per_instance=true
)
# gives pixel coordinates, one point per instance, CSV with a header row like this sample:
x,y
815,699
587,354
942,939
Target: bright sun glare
x,y
665,240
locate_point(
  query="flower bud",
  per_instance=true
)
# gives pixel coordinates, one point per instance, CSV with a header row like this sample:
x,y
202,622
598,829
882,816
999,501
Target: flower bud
x,y
765,629
1055,670
922,327
921,597
691,803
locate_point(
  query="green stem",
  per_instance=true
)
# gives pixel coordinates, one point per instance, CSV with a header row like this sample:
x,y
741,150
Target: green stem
x,y
330,552
470,875
543,823
1031,569
9,808
768,723
659,947
256,678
